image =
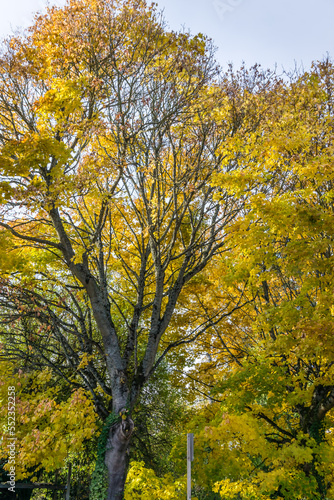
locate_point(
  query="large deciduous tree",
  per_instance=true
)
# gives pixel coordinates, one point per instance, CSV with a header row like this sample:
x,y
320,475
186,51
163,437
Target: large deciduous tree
x,y
109,144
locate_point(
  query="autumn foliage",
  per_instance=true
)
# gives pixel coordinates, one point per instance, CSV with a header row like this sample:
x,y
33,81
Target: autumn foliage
x,y
167,264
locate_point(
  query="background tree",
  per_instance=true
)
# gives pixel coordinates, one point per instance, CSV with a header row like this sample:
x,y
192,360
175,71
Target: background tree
x,y
275,357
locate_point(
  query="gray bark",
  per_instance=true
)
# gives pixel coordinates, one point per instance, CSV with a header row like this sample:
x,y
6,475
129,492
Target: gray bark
x,y
117,457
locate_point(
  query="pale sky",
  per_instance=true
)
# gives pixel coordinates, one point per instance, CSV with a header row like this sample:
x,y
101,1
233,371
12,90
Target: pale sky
x,y
263,31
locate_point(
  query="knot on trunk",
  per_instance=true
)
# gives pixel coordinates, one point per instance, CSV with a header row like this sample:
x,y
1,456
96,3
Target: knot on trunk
x,y
120,432
126,428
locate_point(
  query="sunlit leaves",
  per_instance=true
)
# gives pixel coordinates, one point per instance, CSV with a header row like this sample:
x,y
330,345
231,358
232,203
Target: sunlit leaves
x,y
48,425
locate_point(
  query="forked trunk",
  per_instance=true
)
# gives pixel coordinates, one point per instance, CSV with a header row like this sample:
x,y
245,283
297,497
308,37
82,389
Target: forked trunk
x,y
117,458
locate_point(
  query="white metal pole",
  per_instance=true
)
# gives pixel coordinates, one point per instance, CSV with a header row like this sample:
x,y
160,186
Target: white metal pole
x,y
190,458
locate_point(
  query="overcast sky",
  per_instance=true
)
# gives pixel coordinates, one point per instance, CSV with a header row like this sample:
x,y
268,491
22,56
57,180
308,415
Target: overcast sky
x,y
263,31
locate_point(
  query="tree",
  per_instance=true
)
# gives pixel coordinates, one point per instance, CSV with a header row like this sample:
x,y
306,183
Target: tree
x,y
271,436
109,144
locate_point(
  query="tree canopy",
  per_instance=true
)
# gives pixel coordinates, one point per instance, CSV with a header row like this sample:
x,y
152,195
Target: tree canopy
x,y
167,232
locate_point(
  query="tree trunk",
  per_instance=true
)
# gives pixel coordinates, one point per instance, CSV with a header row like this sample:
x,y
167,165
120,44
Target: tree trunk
x,y
117,457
